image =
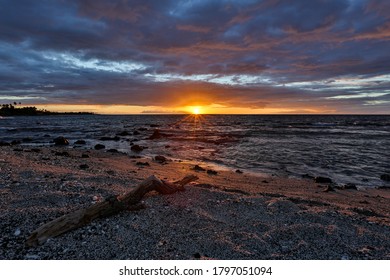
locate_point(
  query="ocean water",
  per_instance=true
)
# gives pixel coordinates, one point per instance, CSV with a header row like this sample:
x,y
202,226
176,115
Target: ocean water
x,y
346,148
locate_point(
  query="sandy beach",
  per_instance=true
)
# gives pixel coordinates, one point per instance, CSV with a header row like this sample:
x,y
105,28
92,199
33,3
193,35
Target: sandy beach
x,y
223,215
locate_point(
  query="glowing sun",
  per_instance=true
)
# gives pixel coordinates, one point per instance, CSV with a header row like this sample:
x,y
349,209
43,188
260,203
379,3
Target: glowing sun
x,y
196,111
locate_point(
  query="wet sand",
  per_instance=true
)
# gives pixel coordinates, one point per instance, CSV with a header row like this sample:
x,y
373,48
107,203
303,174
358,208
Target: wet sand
x,y
227,215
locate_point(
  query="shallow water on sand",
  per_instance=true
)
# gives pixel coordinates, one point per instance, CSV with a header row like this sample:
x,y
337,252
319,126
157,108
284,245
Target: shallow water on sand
x,y
349,149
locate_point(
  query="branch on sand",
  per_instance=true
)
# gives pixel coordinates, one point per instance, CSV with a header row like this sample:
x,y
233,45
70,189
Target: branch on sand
x,y
106,208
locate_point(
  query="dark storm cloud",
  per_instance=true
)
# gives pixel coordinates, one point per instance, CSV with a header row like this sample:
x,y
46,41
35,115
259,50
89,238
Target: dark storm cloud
x,y
235,53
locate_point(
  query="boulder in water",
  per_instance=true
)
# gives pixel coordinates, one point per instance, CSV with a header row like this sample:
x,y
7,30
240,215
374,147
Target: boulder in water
x,y
61,141
137,148
99,147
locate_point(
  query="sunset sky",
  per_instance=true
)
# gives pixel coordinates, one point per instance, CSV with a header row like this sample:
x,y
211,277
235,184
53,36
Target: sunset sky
x,y
244,56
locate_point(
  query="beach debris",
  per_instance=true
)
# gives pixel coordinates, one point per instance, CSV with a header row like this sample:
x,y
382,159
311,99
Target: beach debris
x,y
108,207
198,168
61,141
137,148
99,147
322,180
80,142
385,177
212,172
160,159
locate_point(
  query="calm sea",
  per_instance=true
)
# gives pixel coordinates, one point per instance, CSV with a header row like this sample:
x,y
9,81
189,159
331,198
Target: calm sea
x,y
349,149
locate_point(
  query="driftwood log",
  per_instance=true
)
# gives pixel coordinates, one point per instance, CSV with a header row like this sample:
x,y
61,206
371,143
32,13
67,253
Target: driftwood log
x,y
106,208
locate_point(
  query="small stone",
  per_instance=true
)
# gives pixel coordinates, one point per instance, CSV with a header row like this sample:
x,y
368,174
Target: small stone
x,y
239,171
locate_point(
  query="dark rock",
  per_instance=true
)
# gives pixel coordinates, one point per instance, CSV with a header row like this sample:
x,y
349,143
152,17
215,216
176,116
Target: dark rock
x,y
349,186
84,156
197,256
113,151
99,147
3,144
64,154
329,189
160,159
139,163
198,168
46,135
105,138
84,166
136,132
239,171
27,139
322,180
135,157
142,129
154,125
385,177
158,135
212,172
16,142
265,181
80,142
307,176
35,150
123,133
137,148
18,150
167,146
61,141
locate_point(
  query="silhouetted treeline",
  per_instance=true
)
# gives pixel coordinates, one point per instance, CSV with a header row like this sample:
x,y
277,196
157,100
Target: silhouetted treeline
x,y
13,110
